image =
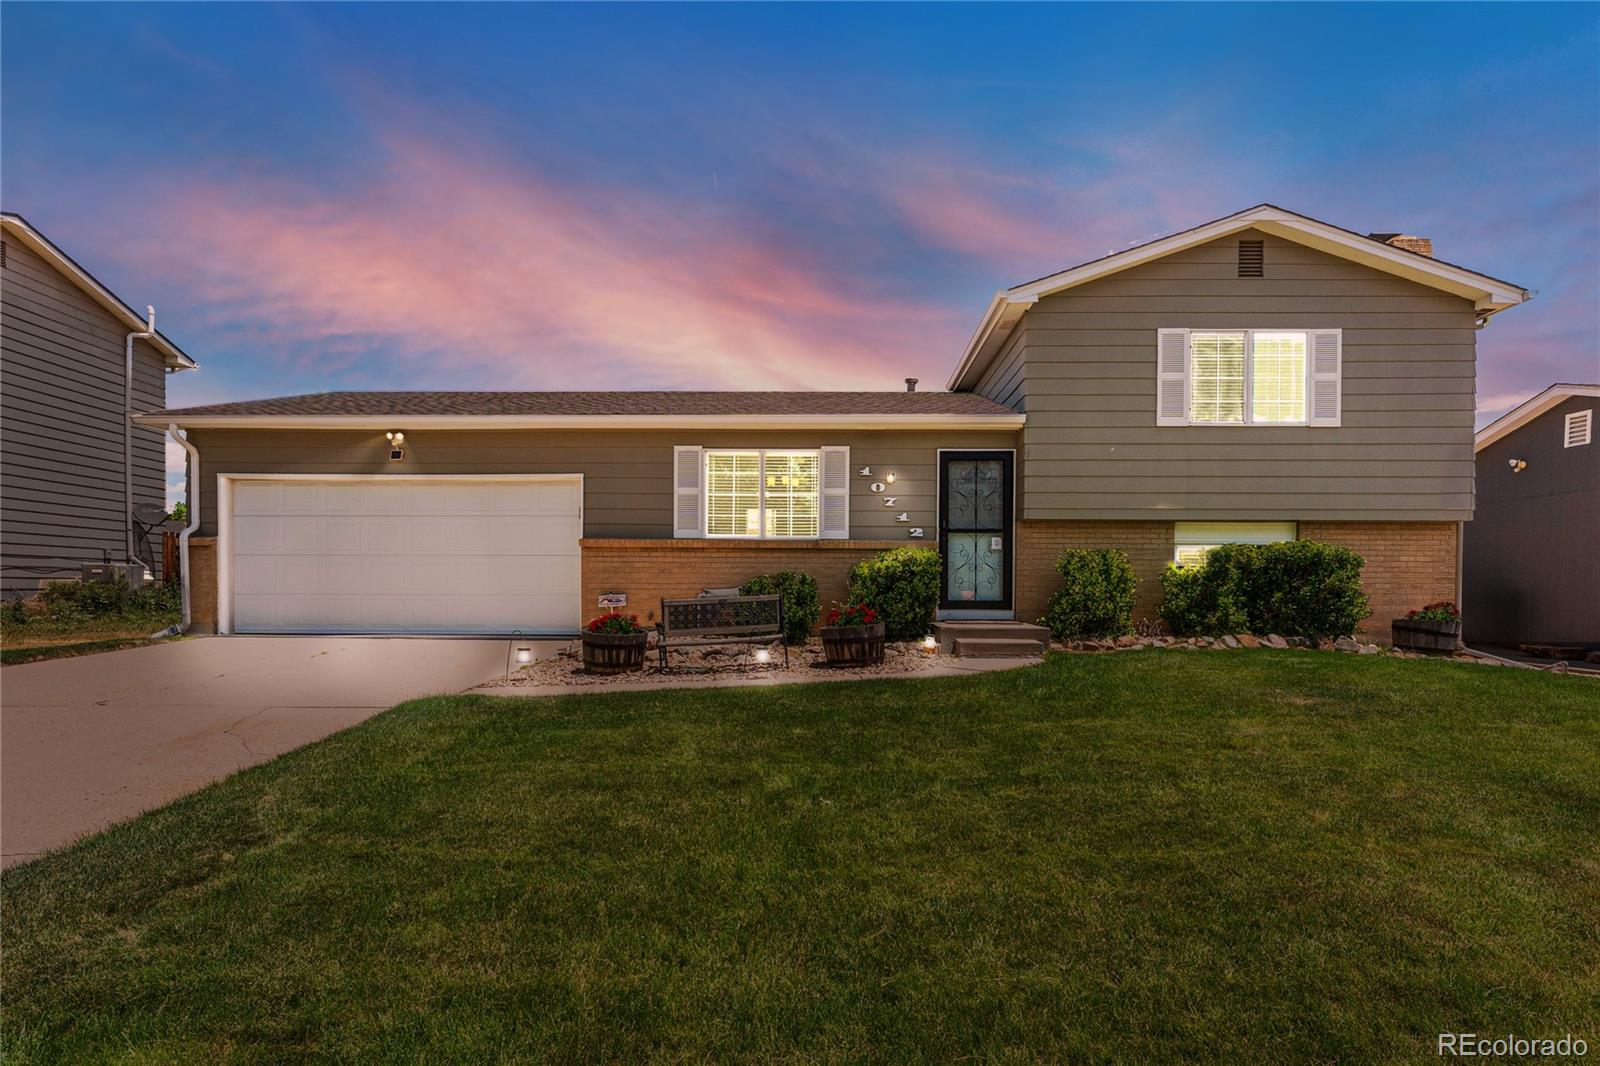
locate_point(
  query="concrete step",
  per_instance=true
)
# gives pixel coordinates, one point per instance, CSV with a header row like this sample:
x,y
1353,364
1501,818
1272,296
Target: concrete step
x,y
997,648
949,633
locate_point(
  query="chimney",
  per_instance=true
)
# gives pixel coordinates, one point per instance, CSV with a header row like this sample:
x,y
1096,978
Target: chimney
x,y
1410,242
911,384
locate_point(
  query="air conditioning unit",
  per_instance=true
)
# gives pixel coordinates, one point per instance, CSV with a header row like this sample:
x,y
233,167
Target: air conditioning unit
x,y
135,574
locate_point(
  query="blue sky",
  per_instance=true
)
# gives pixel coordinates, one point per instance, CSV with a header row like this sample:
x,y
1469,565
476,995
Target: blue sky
x,y
614,196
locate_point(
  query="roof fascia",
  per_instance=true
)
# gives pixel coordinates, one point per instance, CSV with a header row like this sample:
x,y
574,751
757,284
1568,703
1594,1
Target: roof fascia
x,y
503,422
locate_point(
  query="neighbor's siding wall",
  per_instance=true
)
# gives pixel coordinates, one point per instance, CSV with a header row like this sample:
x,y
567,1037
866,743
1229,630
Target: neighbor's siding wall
x,y
1532,561
1092,450
627,473
61,418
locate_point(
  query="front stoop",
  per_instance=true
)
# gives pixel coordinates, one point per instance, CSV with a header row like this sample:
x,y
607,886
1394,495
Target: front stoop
x,y
991,640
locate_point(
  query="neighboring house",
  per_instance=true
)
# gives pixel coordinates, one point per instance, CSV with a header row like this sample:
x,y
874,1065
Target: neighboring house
x,y
1532,560
1261,377
67,490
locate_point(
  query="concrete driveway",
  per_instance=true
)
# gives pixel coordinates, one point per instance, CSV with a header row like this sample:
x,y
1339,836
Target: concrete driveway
x,y
94,740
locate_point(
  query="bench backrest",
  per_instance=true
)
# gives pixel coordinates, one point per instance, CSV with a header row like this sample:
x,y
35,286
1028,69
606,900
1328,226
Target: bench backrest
x,y
722,616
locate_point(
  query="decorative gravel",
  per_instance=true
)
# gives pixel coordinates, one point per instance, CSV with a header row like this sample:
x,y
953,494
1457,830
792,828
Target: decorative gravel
x,y
805,662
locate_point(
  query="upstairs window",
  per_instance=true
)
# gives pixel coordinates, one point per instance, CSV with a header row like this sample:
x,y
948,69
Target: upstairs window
x,y
1577,429
1256,377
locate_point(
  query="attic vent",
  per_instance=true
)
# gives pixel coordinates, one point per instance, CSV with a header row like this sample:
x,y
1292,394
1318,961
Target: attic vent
x,y
1252,259
1578,429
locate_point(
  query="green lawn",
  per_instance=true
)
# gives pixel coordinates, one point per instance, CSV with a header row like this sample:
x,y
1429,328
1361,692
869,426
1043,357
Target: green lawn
x,y
1244,856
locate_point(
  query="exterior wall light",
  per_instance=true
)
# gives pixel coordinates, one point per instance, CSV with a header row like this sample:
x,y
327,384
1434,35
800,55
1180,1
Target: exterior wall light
x,y
397,441
1518,465
524,655
395,436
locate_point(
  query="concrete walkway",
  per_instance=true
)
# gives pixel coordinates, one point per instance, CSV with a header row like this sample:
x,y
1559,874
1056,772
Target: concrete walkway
x,y
90,741
945,667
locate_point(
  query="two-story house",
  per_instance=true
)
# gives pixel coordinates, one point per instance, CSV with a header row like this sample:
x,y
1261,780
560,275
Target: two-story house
x,y
1261,377
76,362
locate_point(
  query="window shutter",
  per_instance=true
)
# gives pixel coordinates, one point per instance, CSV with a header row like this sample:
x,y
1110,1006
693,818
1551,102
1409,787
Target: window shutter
x,y
1326,366
1172,377
688,470
835,493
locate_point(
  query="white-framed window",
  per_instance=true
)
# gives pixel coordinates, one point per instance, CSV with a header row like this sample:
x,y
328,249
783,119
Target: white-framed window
x,y
1248,377
1192,541
762,493
1577,428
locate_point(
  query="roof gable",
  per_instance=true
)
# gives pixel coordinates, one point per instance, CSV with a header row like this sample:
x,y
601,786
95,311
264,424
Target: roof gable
x,y
1529,410
1488,294
14,225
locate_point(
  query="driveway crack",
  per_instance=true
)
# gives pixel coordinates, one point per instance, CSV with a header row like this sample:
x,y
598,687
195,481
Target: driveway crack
x,y
240,737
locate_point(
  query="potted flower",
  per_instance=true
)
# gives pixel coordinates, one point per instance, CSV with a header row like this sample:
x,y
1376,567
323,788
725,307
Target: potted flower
x,y
1436,627
852,635
614,644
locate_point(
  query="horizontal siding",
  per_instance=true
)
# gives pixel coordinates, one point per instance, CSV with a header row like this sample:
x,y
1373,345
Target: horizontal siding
x,y
1092,449
1005,380
61,402
627,474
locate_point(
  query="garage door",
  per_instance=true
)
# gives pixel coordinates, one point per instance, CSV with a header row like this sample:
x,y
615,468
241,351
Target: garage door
x,y
405,555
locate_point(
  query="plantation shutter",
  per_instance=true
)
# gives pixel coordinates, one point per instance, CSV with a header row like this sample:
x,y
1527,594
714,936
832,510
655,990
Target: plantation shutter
x,y
1324,378
687,497
1172,377
835,493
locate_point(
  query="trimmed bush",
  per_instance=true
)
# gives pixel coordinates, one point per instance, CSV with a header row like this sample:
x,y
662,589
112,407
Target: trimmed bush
x,y
74,601
902,584
1299,588
1097,599
800,603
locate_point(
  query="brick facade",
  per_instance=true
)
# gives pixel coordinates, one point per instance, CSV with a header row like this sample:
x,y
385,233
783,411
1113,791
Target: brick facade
x,y
1040,543
202,578
1408,564
652,570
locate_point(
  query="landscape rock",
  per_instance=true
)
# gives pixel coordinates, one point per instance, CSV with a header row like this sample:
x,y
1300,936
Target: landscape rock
x,y
1127,641
1346,644
1369,649
1230,642
1248,640
1272,640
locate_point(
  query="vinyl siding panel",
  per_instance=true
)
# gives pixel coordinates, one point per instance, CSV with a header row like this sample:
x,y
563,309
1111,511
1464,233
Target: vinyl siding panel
x,y
1092,450
61,425
1005,380
627,473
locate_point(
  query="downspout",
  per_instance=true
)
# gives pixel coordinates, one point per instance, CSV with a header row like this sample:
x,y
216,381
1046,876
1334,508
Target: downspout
x,y
127,426
192,497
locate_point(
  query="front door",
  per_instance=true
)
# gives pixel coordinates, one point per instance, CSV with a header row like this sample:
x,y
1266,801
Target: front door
x,y
975,530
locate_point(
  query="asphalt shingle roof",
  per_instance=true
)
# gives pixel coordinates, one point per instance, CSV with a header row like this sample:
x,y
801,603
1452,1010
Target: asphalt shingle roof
x,y
606,403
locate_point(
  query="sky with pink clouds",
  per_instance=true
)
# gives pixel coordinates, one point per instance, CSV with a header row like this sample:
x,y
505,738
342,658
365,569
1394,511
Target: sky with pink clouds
x,y
612,196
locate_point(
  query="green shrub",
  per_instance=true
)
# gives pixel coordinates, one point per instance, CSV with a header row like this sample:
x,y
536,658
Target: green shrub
x,y
1097,599
72,601
1299,588
902,585
800,603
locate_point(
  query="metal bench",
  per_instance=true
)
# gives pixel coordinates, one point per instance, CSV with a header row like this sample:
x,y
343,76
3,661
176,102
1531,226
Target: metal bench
x,y
711,620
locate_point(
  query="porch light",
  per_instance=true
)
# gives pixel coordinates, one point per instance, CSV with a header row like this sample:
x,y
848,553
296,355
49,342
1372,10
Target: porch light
x,y
889,477
1518,465
395,436
763,656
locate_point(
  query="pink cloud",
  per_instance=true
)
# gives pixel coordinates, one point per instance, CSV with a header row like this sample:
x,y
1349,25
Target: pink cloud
x,y
519,282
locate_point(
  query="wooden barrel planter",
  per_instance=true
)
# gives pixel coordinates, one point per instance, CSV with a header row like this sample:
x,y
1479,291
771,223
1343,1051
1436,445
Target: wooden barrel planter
x,y
1420,634
613,653
853,645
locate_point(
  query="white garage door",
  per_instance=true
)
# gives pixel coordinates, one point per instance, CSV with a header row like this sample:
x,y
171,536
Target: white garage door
x,y
405,555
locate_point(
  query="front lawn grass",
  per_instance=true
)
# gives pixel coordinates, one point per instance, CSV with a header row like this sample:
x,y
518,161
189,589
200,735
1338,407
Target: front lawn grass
x,y
1244,856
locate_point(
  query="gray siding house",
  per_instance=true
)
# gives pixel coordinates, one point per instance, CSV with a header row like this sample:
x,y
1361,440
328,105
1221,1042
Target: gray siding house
x,y
63,413
1265,376
1532,559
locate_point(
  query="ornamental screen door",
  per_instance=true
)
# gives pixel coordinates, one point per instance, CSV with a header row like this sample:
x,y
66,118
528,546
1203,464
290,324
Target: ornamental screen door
x,y
975,529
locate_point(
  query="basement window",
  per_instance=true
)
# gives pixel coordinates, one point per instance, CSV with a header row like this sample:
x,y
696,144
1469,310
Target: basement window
x,y
1193,541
